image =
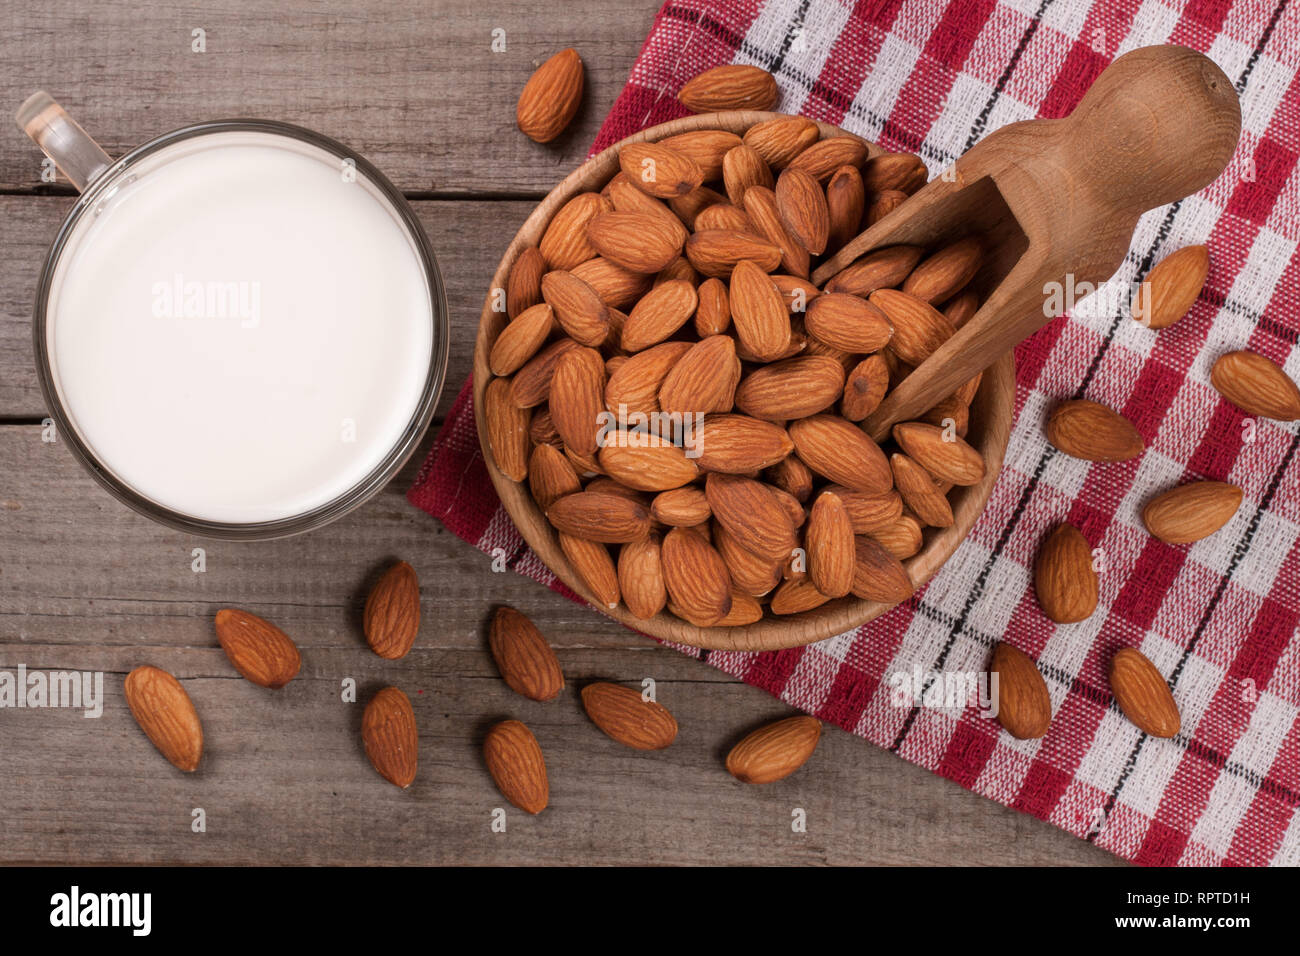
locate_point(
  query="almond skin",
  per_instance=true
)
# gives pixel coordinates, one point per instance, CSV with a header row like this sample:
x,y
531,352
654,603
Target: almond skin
x,y
591,562
635,241
636,383
389,734
392,615
517,766
708,147
696,577
258,649
919,328
507,427
577,307
845,203
795,388
521,339
751,573
1093,432
1064,579
919,492
901,171
565,243
780,140
842,452
764,215
625,716
732,86
524,287
527,663
901,537
165,713
885,202
599,516
775,751
704,379
1024,705
647,463
1142,694
879,575
880,269
551,476
1257,386
864,388
739,444
641,576
577,398
848,323
869,512
626,198
831,549
531,385
751,514
940,276
796,596
713,314
617,287
659,171
953,461
822,158
551,97
1172,287
715,252
803,210
1191,512
742,167
758,312
681,507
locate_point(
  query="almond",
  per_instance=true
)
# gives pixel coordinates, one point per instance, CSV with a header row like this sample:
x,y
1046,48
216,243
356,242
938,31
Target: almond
x,y
724,216
1172,287
258,649
517,766
646,462
687,208
822,158
593,566
626,198
885,202
940,276
635,385
841,452
948,460
532,383
704,379
599,516
920,493
527,663
758,312
715,252
919,328
864,388
641,575
1024,706
706,146
745,610
1064,579
796,596
868,511
795,388
751,514
659,171
791,476
1093,432
1191,512
880,269
696,577
520,340
949,412
636,241
845,203
681,507
962,308
166,714
764,215
902,537
551,97
775,751
831,550
1256,386
524,287
732,86
738,444
1142,694
550,476
578,398
801,204
627,717
661,312
392,615
848,323
751,573
713,313
391,740
797,292
878,575
901,171
780,140
743,167
565,243
617,287
577,307
506,427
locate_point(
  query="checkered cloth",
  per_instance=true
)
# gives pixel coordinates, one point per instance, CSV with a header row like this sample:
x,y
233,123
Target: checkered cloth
x,y
1217,618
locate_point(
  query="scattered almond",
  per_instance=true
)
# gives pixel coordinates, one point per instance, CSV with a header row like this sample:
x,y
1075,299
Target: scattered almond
x,y
515,762
526,662
629,718
1064,579
729,87
1256,385
1093,432
1171,288
1142,694
1191,512
392,614
391,740
775,751
551,97
166,714
258,649
1024,705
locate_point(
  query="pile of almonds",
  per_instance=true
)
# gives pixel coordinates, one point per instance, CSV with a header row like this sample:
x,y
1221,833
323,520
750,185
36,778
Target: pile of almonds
x,y
682,288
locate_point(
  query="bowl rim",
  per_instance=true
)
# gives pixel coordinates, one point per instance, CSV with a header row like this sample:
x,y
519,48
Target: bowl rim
x,y
993,421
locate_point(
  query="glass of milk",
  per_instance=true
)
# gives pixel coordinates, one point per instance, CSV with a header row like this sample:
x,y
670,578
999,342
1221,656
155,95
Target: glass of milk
x,y
240,329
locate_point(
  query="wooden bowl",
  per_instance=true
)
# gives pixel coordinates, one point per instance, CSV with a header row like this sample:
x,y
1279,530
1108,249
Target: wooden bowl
x,y
990,427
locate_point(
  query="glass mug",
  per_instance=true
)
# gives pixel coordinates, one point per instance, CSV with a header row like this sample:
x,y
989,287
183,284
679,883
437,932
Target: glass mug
x,y
240,328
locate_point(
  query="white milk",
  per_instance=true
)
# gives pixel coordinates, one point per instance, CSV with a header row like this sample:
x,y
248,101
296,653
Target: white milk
x,y
293,357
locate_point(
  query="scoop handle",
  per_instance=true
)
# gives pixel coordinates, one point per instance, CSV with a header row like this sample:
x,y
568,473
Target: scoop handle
x,y
62,139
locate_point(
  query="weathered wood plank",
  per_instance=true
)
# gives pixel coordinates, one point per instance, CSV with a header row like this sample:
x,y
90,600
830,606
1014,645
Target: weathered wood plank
x,y
413,86
85,584
467,236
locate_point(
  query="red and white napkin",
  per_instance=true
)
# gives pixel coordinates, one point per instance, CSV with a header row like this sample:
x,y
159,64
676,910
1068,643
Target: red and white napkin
x,y
1218,618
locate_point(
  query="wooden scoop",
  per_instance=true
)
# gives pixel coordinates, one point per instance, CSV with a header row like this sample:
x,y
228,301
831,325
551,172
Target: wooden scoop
x,y
1051,197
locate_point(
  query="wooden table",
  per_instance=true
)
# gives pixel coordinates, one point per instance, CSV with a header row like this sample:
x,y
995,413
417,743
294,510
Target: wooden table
x,y
86,584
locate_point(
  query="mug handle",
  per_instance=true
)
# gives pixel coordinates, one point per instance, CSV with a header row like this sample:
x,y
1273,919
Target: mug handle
x,y
61,139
